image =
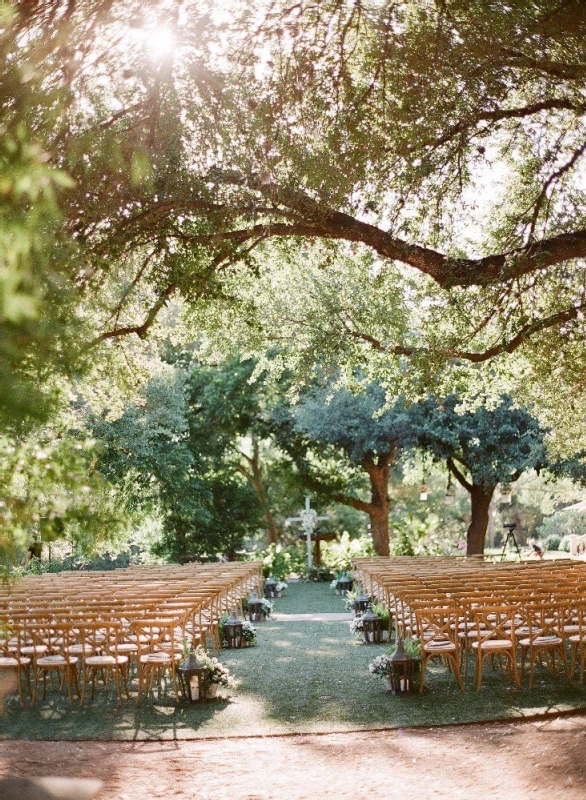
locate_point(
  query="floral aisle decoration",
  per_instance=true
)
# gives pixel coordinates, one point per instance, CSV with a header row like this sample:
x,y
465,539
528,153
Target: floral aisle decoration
x,y
267,606
217,674
357,626
248,632
281,586
352,597
381,666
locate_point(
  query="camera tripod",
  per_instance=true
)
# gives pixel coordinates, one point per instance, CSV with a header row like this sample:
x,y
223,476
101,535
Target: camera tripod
x,y
510,538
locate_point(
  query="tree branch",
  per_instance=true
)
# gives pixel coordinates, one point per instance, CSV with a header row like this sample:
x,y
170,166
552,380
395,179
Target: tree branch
x,y
509,346
557,69
142,329
359,505
509,113
458,475
322,222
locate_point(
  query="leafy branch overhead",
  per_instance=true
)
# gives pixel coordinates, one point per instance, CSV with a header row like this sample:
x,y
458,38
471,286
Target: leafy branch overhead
x,y
445,138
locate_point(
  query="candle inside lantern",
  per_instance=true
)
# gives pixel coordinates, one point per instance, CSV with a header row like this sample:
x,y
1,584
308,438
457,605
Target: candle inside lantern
x,y
194,687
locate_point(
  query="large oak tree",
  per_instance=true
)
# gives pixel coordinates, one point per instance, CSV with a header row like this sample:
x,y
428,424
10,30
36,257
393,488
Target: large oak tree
x,y
377,124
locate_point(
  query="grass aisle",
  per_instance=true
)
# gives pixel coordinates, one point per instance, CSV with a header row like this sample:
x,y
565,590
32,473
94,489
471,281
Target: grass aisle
x,y
303,677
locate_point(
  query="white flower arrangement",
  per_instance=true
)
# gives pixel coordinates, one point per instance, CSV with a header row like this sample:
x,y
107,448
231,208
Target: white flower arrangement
x,y
380,665
356,625
216,671
334,584
281,586
248,632
267,606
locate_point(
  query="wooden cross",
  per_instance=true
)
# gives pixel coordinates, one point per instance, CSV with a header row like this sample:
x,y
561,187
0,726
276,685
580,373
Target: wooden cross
x,y
308,519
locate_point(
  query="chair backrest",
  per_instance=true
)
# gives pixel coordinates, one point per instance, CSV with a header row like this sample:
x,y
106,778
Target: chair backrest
x,y
495,622
438,624
545,620
100,637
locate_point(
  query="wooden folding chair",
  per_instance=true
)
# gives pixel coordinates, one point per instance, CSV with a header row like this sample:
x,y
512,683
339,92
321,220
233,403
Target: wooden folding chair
x,y
545,625
153,660
495,635
57,637
101,640
438,632
11,659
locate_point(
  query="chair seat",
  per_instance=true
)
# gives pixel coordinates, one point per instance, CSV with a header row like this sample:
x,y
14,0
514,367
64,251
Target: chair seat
x,y
470,634
439,646
577,639
6,661
541,641
571,628
126,647
79,649
154,658
56,661
105,661
33,649
493,644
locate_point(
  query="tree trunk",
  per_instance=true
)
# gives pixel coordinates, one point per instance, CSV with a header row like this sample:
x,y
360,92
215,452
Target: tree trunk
x,y
480,497
379,508
380,503
254,475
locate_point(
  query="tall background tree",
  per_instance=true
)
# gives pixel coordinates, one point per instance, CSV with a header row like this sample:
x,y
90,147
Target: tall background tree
x,y
482,446
369,434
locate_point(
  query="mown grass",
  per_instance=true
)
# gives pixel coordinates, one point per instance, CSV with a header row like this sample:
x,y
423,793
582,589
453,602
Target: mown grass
x,y
309,598
302,677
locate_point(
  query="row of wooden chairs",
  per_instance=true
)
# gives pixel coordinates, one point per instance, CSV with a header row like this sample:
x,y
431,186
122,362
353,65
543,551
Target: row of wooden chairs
x,y
109,626
458,607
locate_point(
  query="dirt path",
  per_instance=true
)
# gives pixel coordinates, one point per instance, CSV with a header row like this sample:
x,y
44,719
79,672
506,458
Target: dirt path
x,y
522,760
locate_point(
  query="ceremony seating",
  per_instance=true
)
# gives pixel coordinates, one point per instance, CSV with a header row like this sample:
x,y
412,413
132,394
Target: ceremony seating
x,y
509,610
75,628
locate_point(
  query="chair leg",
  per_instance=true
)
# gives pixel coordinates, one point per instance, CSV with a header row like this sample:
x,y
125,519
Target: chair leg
x,y
67,675
479,668
457,675
84,679
423,665
125,677
566,665
19,686
532,656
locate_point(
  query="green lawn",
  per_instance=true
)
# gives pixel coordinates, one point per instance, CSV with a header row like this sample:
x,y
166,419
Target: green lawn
x,y
302,677
309,598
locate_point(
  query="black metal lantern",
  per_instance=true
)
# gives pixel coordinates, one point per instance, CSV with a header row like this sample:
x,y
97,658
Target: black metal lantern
x,y
193,676
270,587
256,611
233,631
402,674
344,583
372,626
361,602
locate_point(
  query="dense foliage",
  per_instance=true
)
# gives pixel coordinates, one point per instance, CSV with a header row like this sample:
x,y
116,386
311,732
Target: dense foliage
x,y
393,186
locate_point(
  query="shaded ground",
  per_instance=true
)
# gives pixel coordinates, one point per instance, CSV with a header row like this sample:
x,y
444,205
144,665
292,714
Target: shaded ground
x,y
312,676
521,760
304,677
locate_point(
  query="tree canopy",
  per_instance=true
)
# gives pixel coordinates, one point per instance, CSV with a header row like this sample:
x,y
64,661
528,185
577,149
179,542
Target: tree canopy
x,y
482,446
393,186
443,137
